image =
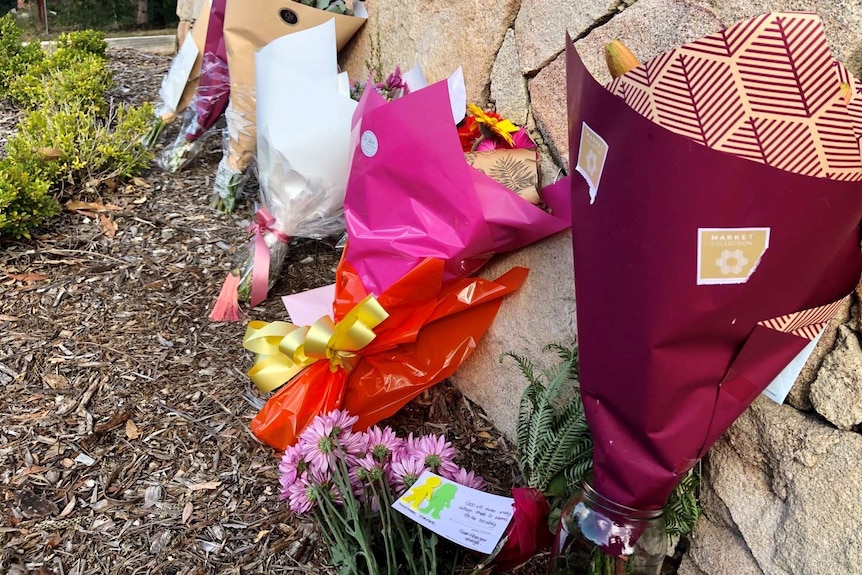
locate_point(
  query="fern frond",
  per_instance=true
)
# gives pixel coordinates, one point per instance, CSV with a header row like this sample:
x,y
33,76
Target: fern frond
x,y
682,509
542,420
576,471
570,441
525,365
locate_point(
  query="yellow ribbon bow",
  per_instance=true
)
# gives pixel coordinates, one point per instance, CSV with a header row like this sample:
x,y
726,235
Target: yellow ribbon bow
x,y
284,350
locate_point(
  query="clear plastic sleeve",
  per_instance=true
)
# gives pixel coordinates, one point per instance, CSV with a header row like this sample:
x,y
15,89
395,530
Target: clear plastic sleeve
x,y
203,112
238,145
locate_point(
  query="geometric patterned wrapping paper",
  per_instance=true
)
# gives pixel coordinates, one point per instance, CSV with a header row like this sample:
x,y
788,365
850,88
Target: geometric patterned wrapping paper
x,y
766,89
805,324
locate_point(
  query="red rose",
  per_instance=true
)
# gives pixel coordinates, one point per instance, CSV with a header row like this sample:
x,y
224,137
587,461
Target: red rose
x,y
528,534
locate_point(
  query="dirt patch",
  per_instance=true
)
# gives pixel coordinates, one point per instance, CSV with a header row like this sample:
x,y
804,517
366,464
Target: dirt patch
x,y
124,438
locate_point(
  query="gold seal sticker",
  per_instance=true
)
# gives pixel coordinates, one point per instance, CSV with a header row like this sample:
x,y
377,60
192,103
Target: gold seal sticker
x,y
729,255
591,158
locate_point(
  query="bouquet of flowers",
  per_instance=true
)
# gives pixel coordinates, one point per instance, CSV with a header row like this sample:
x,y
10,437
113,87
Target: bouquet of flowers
x,y
404,315
210,99
502,150
347,480
245,32
719,238
305,110
181,81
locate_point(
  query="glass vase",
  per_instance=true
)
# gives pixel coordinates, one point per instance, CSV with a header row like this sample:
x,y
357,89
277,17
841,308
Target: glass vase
x,y
599,537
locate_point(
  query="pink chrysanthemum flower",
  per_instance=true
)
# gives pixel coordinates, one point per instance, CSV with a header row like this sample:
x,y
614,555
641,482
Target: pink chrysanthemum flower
x,y
466,478
410,444
382,444
436,452
375,470
301,495
291,466
318,444
342,422
354,445
405,471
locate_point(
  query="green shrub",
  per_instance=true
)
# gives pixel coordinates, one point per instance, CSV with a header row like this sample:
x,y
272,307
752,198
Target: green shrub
x,y
78,78
15,58
91,147
90,41
25,199
69,135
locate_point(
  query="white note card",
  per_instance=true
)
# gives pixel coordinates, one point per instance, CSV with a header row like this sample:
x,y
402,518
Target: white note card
x,y
469,517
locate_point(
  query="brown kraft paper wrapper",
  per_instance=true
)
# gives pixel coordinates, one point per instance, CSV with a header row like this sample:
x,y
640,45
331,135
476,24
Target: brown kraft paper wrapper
x,y
700,274
249,26
516,169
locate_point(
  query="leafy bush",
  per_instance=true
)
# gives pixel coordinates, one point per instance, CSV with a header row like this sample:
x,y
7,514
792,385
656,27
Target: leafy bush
x,y
25,199
90,41
66,76
111,14
89,147
69,135
15,58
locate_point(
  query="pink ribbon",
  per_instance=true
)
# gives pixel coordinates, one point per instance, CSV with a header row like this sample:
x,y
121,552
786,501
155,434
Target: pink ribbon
x,y
264,222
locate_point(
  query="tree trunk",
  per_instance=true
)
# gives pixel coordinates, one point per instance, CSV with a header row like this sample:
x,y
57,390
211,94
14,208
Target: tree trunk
x,y
141,19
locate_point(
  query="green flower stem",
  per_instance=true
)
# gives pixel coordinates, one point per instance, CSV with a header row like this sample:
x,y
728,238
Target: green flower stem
x,y
345,553
386,513
152,136
341,477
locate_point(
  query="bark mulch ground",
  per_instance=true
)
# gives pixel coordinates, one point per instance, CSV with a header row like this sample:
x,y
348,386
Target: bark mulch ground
x,y
124,415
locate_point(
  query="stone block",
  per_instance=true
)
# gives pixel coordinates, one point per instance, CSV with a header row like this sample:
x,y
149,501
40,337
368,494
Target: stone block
x,y
836,394
791,485
508,86
439,35
542,311
542,24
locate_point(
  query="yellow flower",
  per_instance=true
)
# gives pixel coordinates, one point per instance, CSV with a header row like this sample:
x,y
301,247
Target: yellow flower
x,y
499,126
846,92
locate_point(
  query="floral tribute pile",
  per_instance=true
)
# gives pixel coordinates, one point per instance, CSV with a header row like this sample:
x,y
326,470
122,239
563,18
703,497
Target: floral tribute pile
x,y
423,205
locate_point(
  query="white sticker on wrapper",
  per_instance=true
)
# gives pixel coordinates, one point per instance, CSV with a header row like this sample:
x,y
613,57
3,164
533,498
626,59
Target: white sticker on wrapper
x,y
368,143
592,153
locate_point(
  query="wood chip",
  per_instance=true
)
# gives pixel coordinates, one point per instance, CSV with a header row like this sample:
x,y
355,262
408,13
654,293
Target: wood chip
x,y
109,228
85,459
132,431
69,507
205,485
27,278
188,508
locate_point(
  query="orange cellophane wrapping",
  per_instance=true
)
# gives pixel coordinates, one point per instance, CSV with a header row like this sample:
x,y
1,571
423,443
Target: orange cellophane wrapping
x,y
431,330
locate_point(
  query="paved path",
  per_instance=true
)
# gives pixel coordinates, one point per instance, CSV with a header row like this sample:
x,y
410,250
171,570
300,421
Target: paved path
x,y
160,44
165,44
